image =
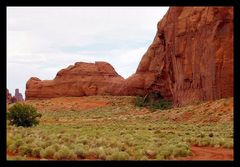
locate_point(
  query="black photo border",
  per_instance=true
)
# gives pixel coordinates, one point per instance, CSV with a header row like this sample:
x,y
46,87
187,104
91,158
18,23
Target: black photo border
x,y
43,3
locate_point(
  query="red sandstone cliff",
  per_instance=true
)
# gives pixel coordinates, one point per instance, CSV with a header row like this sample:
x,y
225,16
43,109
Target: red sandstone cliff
x,y
191,57
82,79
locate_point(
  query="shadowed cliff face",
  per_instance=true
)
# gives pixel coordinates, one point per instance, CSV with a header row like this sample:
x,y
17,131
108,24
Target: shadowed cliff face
x,y
190,59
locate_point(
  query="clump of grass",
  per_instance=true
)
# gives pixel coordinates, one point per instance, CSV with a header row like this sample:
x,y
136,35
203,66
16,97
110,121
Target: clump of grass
x,y
203,142
12,148
174,150
228,144
47,152
100,153
36,152
25,150
19,143
181,150
9,141
119,156
64,153
80,151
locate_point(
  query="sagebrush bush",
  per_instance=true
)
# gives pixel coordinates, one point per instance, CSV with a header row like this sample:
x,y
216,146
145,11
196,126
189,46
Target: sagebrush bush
x,y
100,153
18,142
80,152
9,141
119,156
12,148
47,152
139,102
36,152
64,153
25,150
153,102
23,115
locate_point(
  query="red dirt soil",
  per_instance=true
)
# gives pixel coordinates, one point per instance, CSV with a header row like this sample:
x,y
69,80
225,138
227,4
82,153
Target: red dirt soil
x,y
209,153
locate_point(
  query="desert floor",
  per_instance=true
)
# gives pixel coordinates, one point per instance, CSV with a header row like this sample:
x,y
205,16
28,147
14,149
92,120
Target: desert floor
x,y
113,128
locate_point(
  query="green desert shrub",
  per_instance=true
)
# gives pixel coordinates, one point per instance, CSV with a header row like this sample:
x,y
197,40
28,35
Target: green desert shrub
x,y
180,150
47,152
12,148
101,153
23,115
153,101
18,143
80,151
25,150
119,156
36,152
64,153
144,157
9,141
160,157
228,144
162,104
139,102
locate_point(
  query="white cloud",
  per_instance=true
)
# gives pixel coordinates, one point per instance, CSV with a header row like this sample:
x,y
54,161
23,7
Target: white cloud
x,y
42,40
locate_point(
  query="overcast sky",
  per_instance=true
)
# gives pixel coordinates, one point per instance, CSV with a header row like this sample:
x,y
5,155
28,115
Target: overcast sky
x,y
43,40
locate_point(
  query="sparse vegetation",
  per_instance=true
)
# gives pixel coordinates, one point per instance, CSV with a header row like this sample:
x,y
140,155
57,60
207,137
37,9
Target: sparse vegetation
x,y
119,132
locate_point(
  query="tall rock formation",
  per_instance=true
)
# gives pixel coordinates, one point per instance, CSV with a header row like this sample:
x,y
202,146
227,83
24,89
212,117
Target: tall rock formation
x,y
81,79
18,95
13,99
191,57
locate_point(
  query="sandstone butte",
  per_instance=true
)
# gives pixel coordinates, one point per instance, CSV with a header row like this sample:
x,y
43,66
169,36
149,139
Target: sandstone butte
x,y
190,59
13,99
80,79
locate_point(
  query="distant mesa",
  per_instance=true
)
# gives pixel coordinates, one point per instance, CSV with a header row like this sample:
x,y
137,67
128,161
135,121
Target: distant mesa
x,y
16,98
190,59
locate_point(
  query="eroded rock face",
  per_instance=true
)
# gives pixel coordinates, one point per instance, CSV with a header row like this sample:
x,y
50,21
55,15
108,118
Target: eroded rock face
x,y
191,57
81,79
